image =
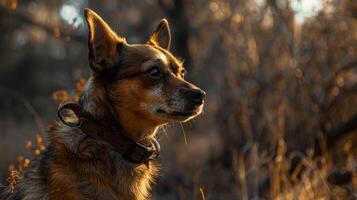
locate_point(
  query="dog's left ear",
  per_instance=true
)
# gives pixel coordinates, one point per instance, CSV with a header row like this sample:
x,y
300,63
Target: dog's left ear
x,y
102,42
162,35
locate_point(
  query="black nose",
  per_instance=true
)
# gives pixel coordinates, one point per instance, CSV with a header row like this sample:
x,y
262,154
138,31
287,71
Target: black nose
x,y
196,95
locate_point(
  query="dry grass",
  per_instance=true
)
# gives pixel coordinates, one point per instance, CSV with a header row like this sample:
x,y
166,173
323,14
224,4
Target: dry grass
x,y
280,119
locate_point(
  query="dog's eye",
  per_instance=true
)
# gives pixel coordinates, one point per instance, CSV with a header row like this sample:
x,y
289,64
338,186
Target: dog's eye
x,y
155,73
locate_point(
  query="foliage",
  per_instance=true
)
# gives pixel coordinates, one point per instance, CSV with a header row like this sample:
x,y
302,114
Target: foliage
x,y
281,117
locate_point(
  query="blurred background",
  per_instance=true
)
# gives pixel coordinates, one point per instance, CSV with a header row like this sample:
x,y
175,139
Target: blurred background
x,y
280,120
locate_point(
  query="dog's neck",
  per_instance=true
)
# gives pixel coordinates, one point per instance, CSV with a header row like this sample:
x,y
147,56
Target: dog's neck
x,y
133,126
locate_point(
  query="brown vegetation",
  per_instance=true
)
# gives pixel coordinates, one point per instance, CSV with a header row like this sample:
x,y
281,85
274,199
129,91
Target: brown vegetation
x,y
281,116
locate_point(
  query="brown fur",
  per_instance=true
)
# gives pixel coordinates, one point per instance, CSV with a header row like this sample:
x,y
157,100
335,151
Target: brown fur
x,y
75,166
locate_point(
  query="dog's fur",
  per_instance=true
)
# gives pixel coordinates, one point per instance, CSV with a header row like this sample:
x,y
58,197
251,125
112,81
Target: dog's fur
x,y
73,166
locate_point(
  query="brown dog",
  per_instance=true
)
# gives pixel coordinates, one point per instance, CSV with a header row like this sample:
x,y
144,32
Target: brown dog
x,y
135,87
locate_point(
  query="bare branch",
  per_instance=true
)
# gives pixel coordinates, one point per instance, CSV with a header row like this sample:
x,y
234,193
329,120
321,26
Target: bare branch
x,y
48,29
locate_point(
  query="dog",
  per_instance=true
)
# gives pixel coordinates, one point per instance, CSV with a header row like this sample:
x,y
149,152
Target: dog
x,y
137,87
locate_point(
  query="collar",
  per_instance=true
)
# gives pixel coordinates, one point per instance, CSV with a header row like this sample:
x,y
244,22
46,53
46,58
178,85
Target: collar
x,y
99,130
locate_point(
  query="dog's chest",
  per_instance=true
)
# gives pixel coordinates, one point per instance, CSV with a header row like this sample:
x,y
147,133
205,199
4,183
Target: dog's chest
x,y
115,178
111,177
131,180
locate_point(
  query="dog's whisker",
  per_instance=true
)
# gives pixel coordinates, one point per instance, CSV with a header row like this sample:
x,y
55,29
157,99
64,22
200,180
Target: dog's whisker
x,y
184,133
164,130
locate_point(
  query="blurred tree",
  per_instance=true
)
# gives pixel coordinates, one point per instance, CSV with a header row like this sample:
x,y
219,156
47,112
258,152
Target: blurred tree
x,y
280,76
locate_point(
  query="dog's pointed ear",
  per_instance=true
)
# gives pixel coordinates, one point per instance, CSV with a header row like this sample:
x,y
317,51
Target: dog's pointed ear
x,y
102,42
162,35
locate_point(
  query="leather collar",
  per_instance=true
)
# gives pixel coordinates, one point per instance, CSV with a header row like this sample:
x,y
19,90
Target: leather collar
x,y
99,130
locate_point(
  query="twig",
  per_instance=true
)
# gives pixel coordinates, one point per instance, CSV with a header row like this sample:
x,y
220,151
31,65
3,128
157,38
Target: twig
x,y
48,29
202,194
28,106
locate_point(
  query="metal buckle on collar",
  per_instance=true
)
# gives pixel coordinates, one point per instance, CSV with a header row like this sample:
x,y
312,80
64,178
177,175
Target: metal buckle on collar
x,y
138,153
157,147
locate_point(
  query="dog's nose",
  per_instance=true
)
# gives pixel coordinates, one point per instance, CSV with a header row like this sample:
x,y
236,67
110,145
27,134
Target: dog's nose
x,y
196,95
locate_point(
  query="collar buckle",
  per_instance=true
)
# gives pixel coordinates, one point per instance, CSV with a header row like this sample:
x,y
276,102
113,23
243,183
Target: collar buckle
x,y
138,153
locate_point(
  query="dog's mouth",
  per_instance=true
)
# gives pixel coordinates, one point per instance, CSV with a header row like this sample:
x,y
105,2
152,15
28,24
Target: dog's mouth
x,y
180,115
177,113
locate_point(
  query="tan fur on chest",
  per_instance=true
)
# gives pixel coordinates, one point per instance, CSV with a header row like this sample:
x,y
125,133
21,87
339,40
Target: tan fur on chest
x,y
95,180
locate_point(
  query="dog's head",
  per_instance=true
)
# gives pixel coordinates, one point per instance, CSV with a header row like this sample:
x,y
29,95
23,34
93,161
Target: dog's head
x,y
144,80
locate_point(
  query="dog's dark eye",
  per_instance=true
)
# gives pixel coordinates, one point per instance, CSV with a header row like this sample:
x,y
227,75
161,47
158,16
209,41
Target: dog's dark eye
x,y
155,73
